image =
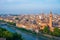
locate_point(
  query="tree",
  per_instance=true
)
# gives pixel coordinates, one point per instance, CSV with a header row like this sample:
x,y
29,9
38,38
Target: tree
x,y
46,29
9,35
12,23
56,31
17,37
16,18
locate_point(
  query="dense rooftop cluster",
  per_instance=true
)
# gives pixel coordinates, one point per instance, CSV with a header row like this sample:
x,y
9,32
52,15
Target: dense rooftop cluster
x,y
34,22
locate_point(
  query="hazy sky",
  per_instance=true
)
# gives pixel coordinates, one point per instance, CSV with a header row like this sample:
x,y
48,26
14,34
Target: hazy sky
x,y
29,6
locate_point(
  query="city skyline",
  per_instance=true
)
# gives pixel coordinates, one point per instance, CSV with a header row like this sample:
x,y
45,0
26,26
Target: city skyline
x,y
29,6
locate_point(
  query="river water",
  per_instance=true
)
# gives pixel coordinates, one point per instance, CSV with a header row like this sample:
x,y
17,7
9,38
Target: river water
x,y
26,36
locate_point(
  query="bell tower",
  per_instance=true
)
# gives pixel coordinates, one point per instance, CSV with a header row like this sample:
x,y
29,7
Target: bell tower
x,y
50,21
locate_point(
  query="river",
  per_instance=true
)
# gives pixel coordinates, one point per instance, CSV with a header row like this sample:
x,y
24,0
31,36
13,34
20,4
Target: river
x,y
26,36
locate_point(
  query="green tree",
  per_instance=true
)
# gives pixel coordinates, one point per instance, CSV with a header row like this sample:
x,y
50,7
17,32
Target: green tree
x,y
46,29
12,23
16,18
1,31
17,37
56,31
7,34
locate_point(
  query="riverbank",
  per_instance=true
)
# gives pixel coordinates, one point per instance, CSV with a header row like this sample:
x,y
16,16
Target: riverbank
x,y
9,35
35,34
53,37
29,32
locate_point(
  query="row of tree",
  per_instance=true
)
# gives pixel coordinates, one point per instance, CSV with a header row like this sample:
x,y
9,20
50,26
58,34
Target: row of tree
x,y
56,31
11,23
9,36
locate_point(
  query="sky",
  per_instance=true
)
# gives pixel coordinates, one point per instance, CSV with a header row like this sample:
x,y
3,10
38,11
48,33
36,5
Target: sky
x,y
29,6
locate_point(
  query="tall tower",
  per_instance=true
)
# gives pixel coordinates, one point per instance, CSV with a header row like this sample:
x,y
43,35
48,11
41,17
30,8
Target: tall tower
x,y
50,21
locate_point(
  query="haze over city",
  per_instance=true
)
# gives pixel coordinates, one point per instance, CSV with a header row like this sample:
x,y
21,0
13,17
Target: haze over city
x,y
29,6
29,19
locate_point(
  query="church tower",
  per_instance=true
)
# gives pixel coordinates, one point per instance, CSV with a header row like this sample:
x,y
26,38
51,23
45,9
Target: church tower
x,y
50,21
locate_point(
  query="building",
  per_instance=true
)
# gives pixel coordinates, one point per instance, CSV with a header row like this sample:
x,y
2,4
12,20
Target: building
x,y
46,22
39,23
35,21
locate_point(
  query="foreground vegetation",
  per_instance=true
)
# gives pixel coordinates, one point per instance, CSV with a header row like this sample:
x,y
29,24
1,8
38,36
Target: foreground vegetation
x,y
56,31
8,35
